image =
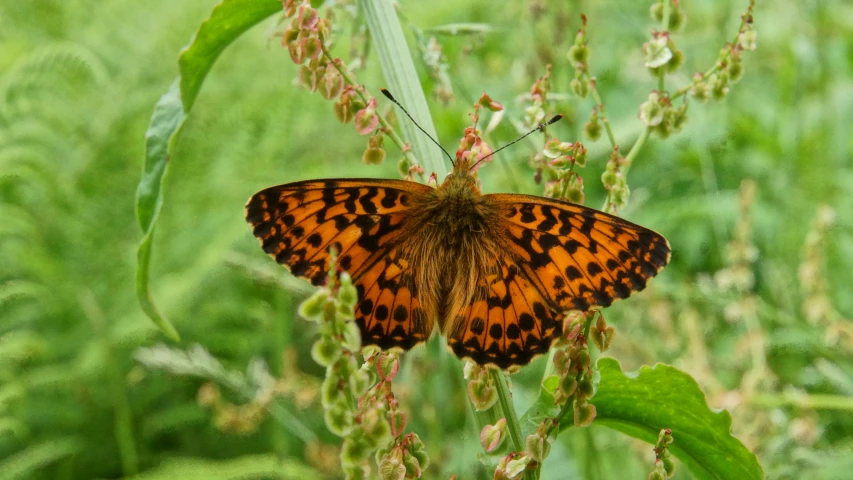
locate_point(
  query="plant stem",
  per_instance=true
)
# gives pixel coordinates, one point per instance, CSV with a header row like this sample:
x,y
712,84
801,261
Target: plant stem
x,y
602,113
505,401
635,150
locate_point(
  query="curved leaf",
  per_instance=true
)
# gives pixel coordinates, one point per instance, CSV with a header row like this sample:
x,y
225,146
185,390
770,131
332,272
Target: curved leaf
x,y
641,404
227,21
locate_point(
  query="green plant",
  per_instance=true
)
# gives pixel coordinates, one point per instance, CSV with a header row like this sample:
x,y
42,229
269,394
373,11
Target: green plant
x,y
752,192
308,38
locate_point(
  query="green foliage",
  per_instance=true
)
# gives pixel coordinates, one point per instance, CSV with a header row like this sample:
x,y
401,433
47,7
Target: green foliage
x,y
755,305
227,22
643,403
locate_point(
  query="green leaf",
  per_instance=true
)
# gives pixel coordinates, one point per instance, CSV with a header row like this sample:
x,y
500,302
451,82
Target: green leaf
x,y
247,466
227,21
641,404
542,408
402,79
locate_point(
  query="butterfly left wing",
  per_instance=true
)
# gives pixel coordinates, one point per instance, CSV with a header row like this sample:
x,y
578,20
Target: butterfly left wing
x,y
389,312
296,223
577,257
510,324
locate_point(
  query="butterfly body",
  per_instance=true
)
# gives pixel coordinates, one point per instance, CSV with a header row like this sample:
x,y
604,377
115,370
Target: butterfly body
x,y
453,237
495,272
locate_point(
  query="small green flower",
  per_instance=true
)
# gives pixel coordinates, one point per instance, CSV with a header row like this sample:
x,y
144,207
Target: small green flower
x,y
651,111
656,51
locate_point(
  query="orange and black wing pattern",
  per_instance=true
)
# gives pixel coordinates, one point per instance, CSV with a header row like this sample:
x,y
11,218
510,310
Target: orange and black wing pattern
x,y
512,323
577,257
389,313
298,223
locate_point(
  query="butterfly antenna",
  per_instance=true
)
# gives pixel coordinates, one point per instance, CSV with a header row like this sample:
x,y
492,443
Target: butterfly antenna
x,y
390,97
541,126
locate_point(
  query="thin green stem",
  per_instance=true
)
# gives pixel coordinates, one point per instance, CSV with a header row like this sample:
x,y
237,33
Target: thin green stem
x,y
717,66
602,113
635,150
505,402
667,11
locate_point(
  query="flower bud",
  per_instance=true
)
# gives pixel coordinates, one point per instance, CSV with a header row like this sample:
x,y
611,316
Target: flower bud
x,y
373,156
347,105
516,466
354,450
735,70
579,87
387,366
339,419
482,394
331,84
578,54
568,385
486,101
347,293
538,447
719,85
325,351
391,467
676,61
651,111
313,307
747,39
701,91
491,437
555,148
656,11
677,18
397,422
656,51
366,119
533,115
580,154
584,414
593,129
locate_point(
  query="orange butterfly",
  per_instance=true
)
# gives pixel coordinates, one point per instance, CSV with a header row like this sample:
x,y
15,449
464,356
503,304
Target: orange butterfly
x,y
496,272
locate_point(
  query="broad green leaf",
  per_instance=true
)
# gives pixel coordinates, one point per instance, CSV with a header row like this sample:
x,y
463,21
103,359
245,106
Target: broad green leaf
x,y
641,404
227,21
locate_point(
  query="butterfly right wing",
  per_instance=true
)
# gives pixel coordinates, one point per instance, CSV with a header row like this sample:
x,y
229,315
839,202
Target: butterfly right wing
x,y
510,324
297,223
578,257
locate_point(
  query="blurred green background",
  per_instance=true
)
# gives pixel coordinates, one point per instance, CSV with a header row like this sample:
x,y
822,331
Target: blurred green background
x,y
755,195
